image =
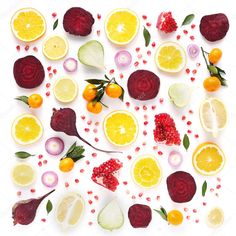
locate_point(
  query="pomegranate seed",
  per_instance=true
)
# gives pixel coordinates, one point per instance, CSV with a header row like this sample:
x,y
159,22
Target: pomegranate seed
x,y
140,194
49,68
185,31
76,181
54,71
90,192
45,162
153,107
158,198
190,111
98,33
137,49
197,221
212,190
183,117
39,163
96,140
145,117
35,49
86,129
144,62
196,136
90,202
95,131
192,79
145,122
99,16
40,156
144,108
67,184
148,199
87,162
218,179
160,153
89,122
90,223
94,154
144,143
93,211
136,63
194,71
54,14
187,71
43,220
144,132
148,24
144,17
189,131
48,94
125,182
155,148
153,44
48,85
18,47
96,198
50,75
193,26
218,186
111,71
149,53
178,37
81,171
32,190
204,203
127,104
82,117
129,157
186,209
133,197
189,123
192,37
27,47
137,149
18,193
194,210
139,56
97,123
161,100
121,76
188,217
136,108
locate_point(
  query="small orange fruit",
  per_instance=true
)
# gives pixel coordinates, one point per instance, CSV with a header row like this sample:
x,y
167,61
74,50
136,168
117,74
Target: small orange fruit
x,y
175,217
94,107
66,164
113,90
211,84
35,100
214,55
90,92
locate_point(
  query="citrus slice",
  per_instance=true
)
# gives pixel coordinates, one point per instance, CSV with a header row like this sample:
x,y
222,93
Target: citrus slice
x,y
208,159
121,26
215,217
27,129
146,171
28,24
120,128
55,47
23,174
69,209
65,90
170,57
213,115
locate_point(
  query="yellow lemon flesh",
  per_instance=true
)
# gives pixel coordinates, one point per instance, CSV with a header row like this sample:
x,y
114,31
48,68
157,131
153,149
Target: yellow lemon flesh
x,y
215,217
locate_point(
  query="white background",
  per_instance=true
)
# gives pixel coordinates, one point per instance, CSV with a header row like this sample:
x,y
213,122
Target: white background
x,y
10,109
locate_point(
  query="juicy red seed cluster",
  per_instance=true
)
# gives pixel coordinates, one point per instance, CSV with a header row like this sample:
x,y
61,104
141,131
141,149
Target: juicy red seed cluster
x,y
168,23
165,131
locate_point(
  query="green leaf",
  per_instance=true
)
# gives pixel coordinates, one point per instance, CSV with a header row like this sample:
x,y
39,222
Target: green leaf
x,y
122,95
162,212
55,24
96,81
146,36
204,188
49,206
71,148
23,99
188,19
186,142
75,152
99,95
23,155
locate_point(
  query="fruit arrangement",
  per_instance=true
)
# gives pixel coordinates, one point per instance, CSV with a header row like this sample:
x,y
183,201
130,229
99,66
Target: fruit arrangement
x,y
140,129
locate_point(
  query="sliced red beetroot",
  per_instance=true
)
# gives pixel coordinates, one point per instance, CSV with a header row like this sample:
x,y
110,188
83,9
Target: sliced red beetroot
x,y
181,186
78,21
214,27
143,85
140,215
28,72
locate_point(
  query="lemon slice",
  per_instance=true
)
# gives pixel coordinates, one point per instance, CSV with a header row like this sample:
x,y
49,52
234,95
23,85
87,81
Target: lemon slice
x,y
208,159
55,47
120,128
213,115
23,174
70,209
121,26
28,24
146,171
65,90
26,129
215,217
170,57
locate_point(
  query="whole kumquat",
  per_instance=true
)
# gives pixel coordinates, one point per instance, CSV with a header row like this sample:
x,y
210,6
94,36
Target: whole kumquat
x,y
214,55
94,107
90,92
35,100
66,164
113,90
212,84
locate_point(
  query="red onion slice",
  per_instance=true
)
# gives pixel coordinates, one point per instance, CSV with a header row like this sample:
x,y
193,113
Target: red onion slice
x,y
54,146
193,50
49,179
123,58
70,64
175,159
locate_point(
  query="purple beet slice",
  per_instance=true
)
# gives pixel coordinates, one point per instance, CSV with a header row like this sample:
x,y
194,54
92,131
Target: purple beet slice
x,y
78,21
140,215
143,85
181,186
28,72
214,27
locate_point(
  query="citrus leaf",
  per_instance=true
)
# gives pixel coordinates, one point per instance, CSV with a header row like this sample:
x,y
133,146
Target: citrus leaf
x,y
186,142
23,155
55,24
161,213
96,81
49,206
71,148
146,36
23,99
204,188
188,19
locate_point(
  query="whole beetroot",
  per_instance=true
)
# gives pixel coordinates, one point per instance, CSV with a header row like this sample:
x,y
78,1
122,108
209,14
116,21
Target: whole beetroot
x,y
140,215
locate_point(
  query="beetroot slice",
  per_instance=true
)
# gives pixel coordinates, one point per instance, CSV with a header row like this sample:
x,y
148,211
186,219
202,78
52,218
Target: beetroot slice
x,y
78,21
214,27
181,186
28,72
140,215
143,85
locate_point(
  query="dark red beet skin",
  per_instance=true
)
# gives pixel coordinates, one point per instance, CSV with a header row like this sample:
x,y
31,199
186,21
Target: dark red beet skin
x,y
214,27
181,186
143,85
24,212
28,72
78,21
140,215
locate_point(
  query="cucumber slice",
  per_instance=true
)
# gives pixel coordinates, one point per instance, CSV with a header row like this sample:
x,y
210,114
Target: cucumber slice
x,y
92,54
180,94
111,216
